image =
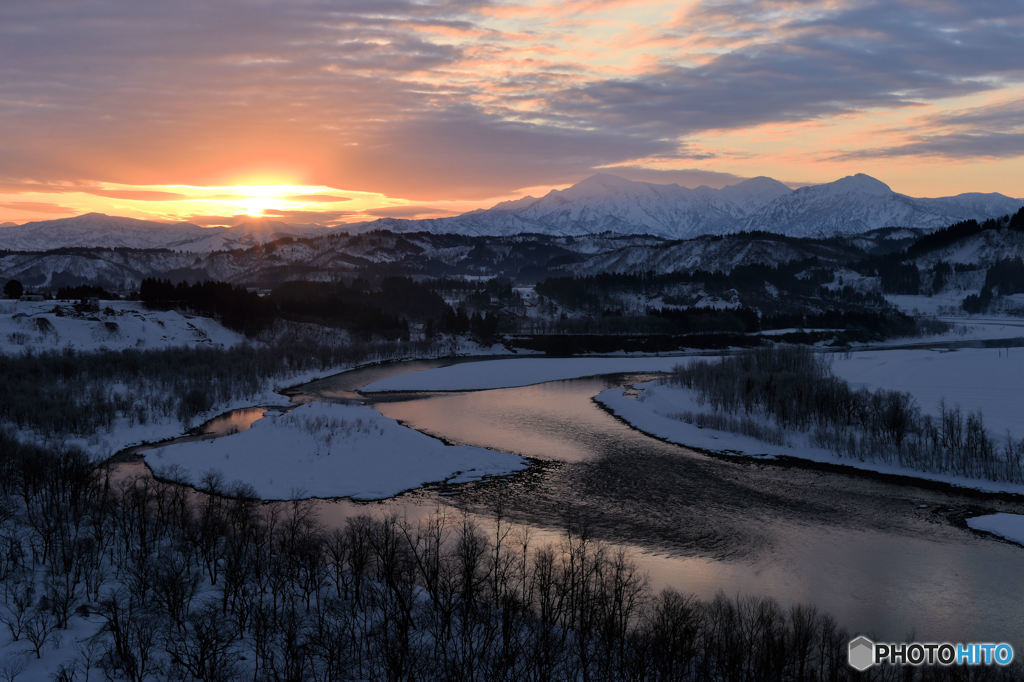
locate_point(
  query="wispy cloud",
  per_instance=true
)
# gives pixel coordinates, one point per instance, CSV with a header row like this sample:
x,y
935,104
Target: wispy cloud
x,y
992,131
38,207
424,101
406,212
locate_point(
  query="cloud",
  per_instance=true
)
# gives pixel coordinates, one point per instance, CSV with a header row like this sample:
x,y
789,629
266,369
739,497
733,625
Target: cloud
x,y
951,146
308,216
992,131
788,67
407,211
448,99
318,198
38,207
1000,116
137,194
689,177
465,147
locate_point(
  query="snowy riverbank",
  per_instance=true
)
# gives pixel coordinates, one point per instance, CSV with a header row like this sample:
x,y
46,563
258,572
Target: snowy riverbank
x,y
489,374
656,408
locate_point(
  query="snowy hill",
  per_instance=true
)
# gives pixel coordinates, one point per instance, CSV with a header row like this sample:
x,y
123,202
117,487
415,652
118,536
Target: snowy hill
x,y
97,230
605,202
28,326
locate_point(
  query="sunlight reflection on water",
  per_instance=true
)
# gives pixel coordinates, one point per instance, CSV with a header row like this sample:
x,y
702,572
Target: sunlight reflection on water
x,y
859,548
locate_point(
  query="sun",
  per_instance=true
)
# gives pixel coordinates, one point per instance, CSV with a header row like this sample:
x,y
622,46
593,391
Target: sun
x,y
254,206
254,200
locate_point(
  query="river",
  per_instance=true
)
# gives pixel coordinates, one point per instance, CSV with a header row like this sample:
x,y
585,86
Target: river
x,y
884,557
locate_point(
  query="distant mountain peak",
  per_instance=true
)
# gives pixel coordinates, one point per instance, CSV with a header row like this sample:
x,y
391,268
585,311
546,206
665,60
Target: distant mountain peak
x,y
605,202
605,180
760,181
600,183
860,182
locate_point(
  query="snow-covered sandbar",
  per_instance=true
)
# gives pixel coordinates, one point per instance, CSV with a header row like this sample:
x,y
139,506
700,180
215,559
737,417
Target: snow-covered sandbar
x,y
329,450
1009,526
657,410
489,374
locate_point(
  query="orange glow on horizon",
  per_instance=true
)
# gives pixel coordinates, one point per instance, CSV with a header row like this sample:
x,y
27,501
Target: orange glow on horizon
x,y
221,204
312,114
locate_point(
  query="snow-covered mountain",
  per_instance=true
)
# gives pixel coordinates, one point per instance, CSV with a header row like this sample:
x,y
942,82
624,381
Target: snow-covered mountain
x,y
859,203
97,230
598,204
607,202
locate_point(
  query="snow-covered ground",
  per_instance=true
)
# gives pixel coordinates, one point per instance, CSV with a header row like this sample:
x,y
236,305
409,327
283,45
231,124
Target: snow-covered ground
x,y
949,306
943,303
330,450
657,407
986,380
1009,526
519,372
987,327
54,325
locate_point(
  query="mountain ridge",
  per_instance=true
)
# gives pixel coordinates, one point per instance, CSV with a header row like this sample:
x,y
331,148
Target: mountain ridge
x,y
99,230
601,203
605,202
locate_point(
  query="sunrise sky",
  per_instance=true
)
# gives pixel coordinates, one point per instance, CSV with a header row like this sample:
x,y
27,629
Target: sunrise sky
x,y
346,110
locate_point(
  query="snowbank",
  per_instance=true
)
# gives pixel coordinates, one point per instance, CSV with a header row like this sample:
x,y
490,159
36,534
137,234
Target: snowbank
x,y
656,409
34,325
986,380
1009,526
519,372
330,450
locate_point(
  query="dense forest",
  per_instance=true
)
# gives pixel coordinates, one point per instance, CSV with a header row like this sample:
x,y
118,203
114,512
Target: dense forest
x,y
368,310
1002,279
747,300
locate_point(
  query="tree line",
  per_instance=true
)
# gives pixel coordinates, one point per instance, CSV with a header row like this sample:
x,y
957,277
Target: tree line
x,y
218,586
1003,278
381,309
67,393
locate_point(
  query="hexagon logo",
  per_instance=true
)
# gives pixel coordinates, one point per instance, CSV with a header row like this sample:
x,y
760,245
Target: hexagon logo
x,y
861,653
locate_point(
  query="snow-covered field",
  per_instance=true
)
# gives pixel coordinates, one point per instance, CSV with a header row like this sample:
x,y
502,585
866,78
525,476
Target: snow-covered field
x,y
37,326
518,372
656,409
330,450
1009,526
986,380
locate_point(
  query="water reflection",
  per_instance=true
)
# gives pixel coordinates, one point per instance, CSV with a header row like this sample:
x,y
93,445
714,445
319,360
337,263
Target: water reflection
x,y
859,548
233,422
546,421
